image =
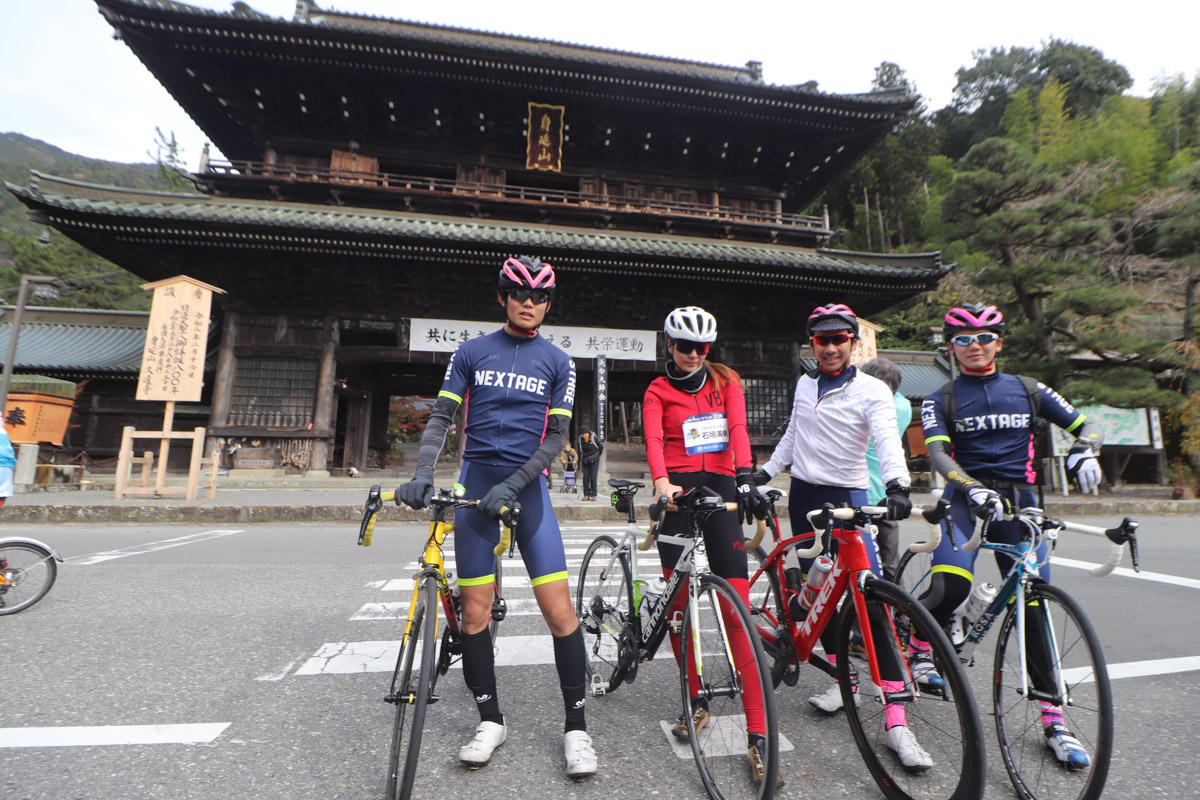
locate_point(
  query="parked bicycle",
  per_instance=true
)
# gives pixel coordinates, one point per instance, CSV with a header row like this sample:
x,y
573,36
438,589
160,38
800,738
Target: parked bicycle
x,y
420,663
946,727
28,568
624,624
1047,654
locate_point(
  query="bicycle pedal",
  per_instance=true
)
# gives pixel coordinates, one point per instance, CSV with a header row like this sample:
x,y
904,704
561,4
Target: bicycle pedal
x,y
598,687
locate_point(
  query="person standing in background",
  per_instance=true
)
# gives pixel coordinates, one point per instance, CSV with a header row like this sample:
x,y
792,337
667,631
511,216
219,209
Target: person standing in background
x,y
590,448
888,537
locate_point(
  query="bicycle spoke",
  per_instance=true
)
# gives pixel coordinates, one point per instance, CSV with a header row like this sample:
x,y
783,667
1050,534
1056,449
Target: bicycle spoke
x,y
1036,772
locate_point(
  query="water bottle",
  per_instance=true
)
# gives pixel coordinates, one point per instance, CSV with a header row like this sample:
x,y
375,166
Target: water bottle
x,y
812,584
651,591
969,612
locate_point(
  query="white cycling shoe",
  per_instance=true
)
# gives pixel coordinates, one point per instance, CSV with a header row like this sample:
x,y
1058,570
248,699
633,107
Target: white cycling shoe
x,y
1066,747
580,754
478,752
830,701
901,740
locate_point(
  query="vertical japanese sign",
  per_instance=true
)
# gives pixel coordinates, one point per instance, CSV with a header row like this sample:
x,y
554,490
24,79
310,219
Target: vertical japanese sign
x,y
544,149
601,397
176,340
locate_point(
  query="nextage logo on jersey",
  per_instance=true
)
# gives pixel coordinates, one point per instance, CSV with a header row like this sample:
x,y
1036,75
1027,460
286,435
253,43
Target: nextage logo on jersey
x,y
511,380
992,422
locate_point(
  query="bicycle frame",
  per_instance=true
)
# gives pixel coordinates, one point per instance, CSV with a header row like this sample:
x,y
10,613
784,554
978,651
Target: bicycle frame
x,y
432,560
851,569
1036,528
650,636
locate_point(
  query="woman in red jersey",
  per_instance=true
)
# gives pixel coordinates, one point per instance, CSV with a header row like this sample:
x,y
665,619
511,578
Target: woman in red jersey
x,y
695,424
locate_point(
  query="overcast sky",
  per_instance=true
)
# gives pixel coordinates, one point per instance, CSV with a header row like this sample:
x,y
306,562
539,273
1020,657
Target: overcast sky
x,y
64,79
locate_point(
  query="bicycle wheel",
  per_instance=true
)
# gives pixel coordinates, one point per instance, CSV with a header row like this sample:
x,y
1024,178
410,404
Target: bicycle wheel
x,y
411,690
766,612
1072,651
913,572
946,726
604,603
27,572
732,674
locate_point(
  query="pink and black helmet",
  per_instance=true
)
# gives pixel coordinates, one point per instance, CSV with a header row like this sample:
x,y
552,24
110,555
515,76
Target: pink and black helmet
x,y
973,316
832,317
526,272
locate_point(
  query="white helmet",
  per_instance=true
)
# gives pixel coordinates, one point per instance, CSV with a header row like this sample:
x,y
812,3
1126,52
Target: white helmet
x,y
691,323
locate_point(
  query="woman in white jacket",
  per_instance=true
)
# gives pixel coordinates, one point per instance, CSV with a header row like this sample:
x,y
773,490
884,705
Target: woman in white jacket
x,y
837,412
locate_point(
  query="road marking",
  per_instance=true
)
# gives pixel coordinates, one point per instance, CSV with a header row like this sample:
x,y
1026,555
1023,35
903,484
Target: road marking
x,y
142,549
280,675
92,736
1158,577
726,736
1136,669
524,607
337,658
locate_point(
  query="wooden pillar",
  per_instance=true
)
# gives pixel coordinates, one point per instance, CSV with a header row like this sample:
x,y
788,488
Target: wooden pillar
x,y
222,395
323,412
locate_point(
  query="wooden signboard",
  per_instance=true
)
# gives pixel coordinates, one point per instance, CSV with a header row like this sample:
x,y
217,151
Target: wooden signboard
x,y
544,149
176,340
172,370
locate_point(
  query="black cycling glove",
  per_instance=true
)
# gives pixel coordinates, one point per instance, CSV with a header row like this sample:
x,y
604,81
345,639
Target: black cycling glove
x,y
899,506
499,497
751,504
419,491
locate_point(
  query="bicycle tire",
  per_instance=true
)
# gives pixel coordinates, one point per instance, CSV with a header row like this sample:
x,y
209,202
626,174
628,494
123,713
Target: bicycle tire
x,y
1035,772
411,691
947,727
720,748
28,573
604,605
766,611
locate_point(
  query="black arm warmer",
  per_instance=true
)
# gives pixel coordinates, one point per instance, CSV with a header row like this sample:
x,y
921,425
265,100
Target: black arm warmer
x,y
941,461
551,446
434,437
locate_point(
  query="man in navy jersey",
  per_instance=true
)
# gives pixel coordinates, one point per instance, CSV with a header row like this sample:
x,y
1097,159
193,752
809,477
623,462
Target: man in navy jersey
x,y
519,390
985,450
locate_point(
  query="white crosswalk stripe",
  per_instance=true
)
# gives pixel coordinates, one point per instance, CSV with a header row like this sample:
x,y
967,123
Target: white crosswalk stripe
x,y
512,649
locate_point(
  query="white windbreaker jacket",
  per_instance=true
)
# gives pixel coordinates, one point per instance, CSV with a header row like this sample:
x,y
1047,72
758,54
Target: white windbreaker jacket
x,y
826,440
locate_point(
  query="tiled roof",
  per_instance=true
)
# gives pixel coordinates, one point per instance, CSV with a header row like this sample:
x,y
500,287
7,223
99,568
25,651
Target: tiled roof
x,y
372,225
505,45
74,348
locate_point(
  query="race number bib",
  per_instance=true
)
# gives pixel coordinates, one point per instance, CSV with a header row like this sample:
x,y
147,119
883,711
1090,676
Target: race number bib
x,y
705,433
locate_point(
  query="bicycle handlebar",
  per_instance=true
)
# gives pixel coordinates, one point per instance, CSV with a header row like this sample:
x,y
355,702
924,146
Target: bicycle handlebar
x,y
1125,533
824,517
695,502
443,500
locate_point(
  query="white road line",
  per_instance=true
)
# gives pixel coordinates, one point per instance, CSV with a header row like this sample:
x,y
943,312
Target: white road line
x,y
142,549
337,658
280,675
1137,669
525,607
726,737
91,736
1158,577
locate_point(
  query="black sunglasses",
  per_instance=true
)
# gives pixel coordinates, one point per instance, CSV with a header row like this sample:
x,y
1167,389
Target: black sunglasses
x,y
538,296
684,346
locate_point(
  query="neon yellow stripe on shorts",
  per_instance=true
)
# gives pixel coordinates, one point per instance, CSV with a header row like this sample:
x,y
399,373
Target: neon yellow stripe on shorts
x,y
551,578
482,580
953,570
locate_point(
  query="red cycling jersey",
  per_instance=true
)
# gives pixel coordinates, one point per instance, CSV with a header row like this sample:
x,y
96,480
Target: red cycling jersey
x,y
701,432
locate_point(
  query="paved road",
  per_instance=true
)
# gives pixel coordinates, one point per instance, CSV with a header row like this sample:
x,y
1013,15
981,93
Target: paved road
x,y
250,662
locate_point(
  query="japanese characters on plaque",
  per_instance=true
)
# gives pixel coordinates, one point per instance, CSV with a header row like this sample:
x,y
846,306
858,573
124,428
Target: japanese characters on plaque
x,y
544,147
445,335
176,340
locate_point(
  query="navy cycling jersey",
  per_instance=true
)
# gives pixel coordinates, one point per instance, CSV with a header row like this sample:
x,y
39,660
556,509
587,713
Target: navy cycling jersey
x,y
993,430
510,386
